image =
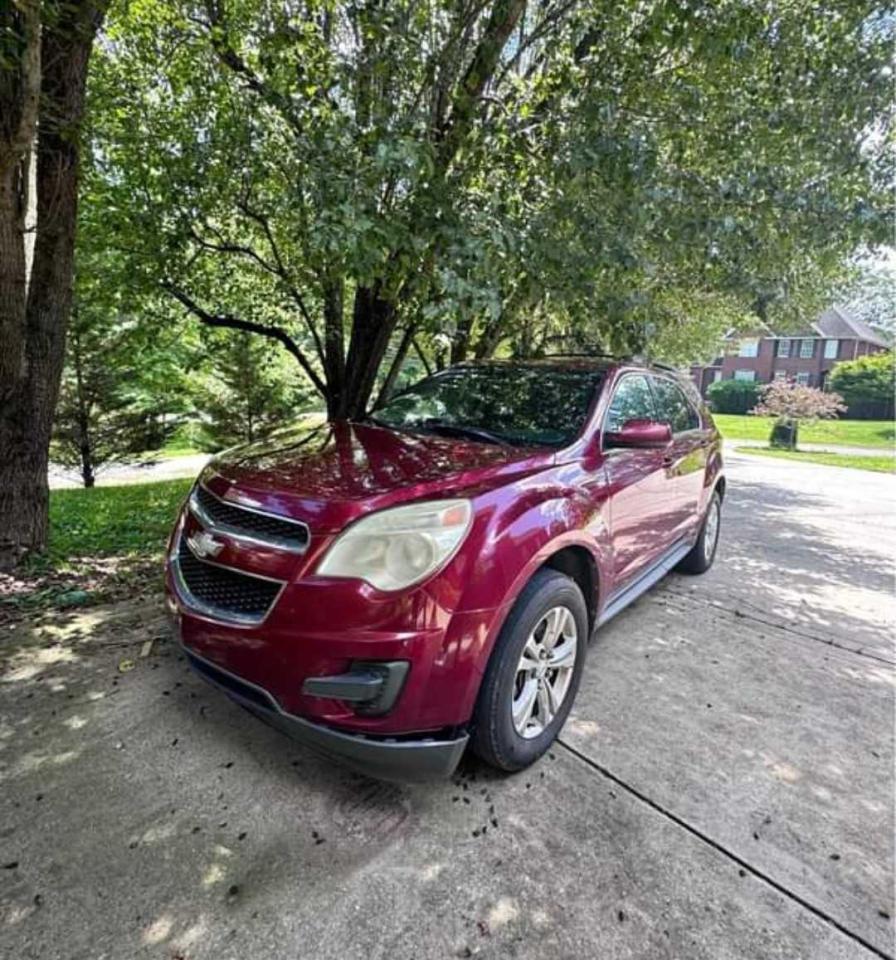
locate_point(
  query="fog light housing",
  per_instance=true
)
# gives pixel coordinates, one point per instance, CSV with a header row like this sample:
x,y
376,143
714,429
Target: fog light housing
x,y
371,687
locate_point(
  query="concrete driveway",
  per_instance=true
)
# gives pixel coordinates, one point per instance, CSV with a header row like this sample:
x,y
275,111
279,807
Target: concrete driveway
x,y
724,788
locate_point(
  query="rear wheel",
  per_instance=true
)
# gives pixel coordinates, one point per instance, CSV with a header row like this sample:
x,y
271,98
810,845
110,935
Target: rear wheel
x,y
534,673
702,554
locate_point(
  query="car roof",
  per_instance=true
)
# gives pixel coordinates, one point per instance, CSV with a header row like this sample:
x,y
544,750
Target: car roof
x,y
574,361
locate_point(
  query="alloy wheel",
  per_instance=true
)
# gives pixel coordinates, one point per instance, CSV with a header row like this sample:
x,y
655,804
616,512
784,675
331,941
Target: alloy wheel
x,y
544,672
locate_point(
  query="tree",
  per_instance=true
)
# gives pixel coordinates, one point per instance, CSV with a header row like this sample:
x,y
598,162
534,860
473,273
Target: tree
x,y
118,398
362,181
869,288
791,404
45,48
246,390
867,384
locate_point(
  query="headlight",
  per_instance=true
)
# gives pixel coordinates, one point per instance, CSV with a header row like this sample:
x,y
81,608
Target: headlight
x,y
395,548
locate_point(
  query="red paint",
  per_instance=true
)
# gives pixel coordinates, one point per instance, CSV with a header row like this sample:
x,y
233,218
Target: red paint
x,y
623,507
644,434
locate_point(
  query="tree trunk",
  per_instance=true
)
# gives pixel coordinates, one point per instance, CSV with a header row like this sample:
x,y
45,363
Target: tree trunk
x,y
334,347
87,474
398,360
461,343
373,321
85,447
28,400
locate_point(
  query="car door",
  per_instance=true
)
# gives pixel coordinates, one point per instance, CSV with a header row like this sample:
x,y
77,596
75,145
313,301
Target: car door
x,y
685,461
640,530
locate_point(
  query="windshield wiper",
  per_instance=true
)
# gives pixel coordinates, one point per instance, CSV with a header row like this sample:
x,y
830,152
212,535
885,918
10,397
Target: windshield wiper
x,y
462,430
435,425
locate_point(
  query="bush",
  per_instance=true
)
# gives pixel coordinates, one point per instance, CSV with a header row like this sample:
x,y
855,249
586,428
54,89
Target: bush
x,y
792,403
866,384
732,396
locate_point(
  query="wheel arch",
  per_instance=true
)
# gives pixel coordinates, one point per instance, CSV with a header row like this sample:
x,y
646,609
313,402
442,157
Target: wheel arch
x,y
578,563
720,487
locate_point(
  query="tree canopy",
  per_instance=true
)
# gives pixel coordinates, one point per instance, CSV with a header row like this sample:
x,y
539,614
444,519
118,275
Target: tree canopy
x,y
359,181
377,187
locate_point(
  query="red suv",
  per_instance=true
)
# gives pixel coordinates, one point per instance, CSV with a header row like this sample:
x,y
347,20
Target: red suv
x,y
394,589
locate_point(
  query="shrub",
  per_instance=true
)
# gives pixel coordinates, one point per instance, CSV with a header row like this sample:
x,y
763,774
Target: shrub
x,y
732,396
866,384
791,404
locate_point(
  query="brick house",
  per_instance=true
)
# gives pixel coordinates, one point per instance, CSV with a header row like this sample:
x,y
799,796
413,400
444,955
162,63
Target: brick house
x,y
807,357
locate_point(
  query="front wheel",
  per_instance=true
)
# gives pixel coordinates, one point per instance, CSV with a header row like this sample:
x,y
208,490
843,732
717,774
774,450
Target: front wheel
x,y
702,554
533,674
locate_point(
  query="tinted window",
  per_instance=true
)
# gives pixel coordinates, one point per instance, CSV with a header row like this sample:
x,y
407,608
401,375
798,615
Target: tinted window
x,y
673,407
520,404
631,401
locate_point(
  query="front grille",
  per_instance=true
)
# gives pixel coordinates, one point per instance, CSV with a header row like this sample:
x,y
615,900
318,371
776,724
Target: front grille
x,y
222,592
242,521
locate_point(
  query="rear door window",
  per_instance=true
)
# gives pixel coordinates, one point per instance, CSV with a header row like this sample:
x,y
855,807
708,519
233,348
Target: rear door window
x,y
631,401
673,406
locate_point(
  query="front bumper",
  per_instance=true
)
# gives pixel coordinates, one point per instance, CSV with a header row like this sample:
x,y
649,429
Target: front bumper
x,y
387,758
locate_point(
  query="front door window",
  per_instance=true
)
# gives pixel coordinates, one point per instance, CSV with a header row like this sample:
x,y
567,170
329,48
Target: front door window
x,y
632,401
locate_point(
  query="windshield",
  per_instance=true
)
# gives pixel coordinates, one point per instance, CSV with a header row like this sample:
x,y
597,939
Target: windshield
x,y
503,404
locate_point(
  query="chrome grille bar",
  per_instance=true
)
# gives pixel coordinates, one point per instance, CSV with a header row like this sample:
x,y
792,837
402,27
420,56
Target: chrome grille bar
x,y
249,525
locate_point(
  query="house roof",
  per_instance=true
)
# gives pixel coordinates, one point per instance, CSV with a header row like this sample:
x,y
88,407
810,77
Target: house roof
x,y
837,322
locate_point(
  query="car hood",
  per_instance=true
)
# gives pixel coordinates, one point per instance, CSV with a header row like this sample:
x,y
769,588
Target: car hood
x,y
329,473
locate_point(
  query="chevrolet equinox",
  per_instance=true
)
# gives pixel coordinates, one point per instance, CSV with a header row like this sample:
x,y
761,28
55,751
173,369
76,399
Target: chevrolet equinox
x,y
393,590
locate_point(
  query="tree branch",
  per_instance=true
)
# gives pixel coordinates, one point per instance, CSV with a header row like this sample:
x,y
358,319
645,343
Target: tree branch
x,y
427,366
503,18
217,27
283,274
235,323
225,247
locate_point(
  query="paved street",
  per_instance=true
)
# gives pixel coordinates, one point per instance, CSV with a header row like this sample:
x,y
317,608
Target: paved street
x,y
724,788
144,471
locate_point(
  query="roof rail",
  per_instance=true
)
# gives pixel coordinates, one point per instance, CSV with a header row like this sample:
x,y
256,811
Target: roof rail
x,y
621,357
585,354
659,364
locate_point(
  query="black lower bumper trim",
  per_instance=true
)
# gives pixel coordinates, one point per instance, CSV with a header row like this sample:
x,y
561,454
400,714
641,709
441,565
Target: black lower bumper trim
x,y
402,760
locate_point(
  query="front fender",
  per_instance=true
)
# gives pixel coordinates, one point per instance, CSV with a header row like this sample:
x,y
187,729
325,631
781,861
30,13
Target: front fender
x,y
520,542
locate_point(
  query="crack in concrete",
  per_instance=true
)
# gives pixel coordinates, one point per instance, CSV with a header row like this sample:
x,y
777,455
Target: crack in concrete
x,y
777,625
720,848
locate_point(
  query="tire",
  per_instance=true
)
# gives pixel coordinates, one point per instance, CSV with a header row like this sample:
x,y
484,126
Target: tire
x,y
702,554
496,737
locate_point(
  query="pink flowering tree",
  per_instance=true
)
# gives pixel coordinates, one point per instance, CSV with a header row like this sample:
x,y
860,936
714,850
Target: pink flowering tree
x,y
791,404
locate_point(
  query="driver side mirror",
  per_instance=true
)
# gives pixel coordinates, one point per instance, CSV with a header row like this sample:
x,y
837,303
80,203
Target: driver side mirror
x,y
640,434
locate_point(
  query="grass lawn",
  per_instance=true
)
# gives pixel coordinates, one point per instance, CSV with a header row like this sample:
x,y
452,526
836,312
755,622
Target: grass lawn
x,y
877,463
849,433
132,520
106,544
171,452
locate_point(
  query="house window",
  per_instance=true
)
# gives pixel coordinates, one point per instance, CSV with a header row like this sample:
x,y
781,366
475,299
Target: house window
x,y
780,374
803,378
716,375
807,349
749,348
783,348
748,376
831,347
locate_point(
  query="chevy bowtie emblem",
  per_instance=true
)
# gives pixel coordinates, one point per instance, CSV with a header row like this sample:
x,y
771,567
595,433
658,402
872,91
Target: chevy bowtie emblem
x,y
203,544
